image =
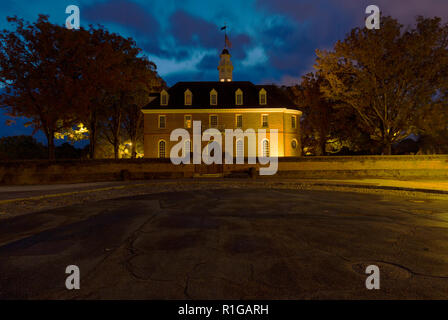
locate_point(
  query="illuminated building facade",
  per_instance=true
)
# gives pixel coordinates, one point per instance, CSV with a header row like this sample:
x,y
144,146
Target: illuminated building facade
x,y
223,104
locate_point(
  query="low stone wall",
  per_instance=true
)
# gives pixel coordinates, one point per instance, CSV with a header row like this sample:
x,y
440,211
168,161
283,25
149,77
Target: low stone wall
x,y
344,167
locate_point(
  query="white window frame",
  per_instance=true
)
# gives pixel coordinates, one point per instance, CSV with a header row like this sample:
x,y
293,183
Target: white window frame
x,y
263,153
188,93
163,95
267,120
236,120
263,93
239,93
297,144
294,121
158,149
236,147
186,126
215,94
185,149
160,116
210,121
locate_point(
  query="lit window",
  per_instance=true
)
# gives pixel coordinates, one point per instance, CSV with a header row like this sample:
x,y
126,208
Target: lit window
x,y
213,98
187,121
187,148
265,148
162,122
239,120
239,97
294,143
163,98
264,121
240,148
262,96
293,122
213,121
162,148
188,97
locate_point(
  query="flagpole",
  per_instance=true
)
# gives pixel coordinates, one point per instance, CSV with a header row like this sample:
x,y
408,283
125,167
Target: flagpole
x,y
225,35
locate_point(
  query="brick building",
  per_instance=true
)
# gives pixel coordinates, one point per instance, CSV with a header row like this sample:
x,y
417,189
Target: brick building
x,y
223,104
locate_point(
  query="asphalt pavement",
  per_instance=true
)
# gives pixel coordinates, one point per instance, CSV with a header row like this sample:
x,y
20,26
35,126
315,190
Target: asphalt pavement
x,y
247,243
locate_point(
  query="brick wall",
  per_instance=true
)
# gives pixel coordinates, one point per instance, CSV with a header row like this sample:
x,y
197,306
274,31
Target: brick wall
x,y
72,171
278,120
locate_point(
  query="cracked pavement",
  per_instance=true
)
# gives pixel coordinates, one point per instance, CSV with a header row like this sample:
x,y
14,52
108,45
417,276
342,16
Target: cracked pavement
x,y
246,243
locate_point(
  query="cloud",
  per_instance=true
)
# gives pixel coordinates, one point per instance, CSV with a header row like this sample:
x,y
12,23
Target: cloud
x,y
189,30
124,13
254,57
209,62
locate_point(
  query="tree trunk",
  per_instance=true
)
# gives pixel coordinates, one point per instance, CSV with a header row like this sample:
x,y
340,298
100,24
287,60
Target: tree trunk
x,y
387,149
116,133
116,149
322,144
92,136
51,148
133,148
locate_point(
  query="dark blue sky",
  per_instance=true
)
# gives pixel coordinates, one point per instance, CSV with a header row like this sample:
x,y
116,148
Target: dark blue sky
x,y
273,40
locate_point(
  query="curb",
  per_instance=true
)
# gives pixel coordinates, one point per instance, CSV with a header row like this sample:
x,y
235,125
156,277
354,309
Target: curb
x,y
388,188
248,181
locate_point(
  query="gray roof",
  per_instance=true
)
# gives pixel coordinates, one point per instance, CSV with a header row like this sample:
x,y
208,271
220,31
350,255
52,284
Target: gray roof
x,y
276,98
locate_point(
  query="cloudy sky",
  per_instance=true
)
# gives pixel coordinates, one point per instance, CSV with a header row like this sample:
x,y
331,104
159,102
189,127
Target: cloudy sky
x,y
273,40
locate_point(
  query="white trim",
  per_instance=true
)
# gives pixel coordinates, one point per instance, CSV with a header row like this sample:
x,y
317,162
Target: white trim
x,y
158,148
236,120
262,147
190,149
297,144
185,121
236,147
295,121
267,122
164,93
239,92
261,93
210,120
190,94
213,92
234,110
161,115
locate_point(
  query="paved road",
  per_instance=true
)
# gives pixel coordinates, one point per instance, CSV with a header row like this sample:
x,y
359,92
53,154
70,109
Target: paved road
x,y
230,244
8,193
27,191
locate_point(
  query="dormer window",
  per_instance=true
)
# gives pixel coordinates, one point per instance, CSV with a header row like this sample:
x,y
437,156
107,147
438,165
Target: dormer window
x,y
188,97
213,98
164,98
262,97
239,97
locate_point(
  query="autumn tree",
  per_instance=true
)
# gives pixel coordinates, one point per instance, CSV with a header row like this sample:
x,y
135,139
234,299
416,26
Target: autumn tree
x,y
40,76
136,78
317,111
326,128
387,76
146,82
61,78
101,72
